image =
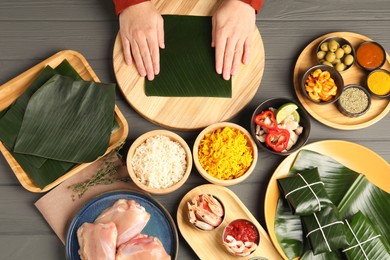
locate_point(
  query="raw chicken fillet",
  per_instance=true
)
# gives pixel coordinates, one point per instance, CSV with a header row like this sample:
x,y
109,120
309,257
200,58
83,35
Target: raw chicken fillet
x,y
97,241
142,247
129,218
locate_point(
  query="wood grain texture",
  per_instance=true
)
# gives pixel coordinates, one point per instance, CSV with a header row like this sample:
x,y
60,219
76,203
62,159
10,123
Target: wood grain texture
x,y
329,114
208,244
11,90
189,113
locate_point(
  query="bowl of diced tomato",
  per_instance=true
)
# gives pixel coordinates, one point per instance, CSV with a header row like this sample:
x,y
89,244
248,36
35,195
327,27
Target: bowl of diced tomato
x,y
280,126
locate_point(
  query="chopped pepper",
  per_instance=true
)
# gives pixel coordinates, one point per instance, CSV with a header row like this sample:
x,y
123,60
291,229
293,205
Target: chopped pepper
x,y
266,119
277,139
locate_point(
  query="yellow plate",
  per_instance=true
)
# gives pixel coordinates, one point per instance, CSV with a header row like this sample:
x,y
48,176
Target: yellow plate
x,y
354,156
15,87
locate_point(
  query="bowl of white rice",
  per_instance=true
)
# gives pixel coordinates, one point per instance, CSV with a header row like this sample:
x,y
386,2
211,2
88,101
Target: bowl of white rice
x,y
159,161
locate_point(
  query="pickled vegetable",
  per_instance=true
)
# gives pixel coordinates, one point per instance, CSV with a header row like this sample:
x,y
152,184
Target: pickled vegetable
x,y
330,53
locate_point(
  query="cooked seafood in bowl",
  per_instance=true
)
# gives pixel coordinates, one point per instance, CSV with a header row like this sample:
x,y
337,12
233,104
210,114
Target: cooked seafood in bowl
x,y
205,212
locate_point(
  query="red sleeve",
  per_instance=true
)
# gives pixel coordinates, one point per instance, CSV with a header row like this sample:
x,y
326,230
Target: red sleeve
x,y
256,4
121,5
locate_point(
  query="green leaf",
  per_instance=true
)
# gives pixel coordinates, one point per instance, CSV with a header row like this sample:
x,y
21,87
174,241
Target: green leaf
x,y
373,202
68,120
288,229
188,61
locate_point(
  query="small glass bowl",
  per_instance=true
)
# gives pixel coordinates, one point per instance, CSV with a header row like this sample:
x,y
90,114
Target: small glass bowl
x,y
368,86
370,68
348,112
234,247
341,42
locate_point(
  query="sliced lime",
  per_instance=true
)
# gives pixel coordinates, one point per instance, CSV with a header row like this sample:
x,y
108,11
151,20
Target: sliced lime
x,y
296,116
286,110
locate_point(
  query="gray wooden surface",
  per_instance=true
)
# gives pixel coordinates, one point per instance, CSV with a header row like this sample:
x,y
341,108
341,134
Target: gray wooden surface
x,y
32,30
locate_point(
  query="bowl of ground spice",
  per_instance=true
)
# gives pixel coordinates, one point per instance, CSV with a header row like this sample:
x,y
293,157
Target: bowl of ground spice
x,y
225,153
378,83
159,162
354,101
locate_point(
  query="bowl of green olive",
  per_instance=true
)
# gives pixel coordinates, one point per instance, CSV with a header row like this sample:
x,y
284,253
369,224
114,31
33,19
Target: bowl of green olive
x,y
336,52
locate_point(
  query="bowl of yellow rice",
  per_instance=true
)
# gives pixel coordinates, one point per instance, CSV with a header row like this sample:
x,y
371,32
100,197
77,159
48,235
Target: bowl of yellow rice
x,y
225,153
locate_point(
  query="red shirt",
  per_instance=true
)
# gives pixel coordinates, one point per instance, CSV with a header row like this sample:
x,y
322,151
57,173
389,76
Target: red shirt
x,y
121,5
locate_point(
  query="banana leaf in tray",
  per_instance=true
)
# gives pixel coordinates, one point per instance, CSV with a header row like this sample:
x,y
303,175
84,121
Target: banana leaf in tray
x,y
41,170
188,61
348,190
68,120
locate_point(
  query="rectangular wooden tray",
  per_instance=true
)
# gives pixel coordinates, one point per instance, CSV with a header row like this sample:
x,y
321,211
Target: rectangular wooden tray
x,y
209,244
11,90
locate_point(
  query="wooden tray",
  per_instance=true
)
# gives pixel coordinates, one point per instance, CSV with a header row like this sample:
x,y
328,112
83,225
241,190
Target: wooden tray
x,y
16,86
329,114
190,112
208,244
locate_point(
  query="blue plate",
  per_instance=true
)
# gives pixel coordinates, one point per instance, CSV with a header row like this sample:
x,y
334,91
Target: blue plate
x,y
160,224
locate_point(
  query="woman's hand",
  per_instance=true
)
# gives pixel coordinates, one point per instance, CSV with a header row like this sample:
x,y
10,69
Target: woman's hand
x,y
142,34
233,27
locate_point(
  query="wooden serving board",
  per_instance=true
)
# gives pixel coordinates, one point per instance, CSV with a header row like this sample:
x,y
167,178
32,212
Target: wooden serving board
x,y
329,114
208,244
11,90
189,113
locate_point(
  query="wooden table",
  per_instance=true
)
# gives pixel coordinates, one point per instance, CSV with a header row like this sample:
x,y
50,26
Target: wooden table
x,y
33,30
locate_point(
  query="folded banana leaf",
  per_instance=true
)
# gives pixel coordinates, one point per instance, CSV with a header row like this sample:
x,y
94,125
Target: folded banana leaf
x,y
347,189
188,61
42,171
11,122
365,242
68,120
304,192
325,230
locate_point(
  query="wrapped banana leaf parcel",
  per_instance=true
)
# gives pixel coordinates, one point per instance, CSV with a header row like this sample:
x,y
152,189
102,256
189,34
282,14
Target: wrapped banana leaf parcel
x,y
365,241
58,122
304,192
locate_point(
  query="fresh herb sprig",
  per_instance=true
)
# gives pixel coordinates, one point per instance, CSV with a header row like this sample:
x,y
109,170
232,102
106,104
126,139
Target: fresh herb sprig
x,y
105,175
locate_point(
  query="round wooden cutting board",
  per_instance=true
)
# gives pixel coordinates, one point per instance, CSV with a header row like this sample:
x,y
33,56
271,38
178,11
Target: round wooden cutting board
x,y
190,113
329,114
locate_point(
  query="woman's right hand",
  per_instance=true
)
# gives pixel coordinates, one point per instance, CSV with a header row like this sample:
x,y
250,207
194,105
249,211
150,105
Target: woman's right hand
x,y
142,34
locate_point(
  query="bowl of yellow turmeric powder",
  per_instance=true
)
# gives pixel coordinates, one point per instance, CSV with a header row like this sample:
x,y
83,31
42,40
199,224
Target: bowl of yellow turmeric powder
x,y
378,83
225,153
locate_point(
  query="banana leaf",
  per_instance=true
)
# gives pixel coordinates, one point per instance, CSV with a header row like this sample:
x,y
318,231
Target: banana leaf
x,y
188,61
370,200
324,256
364,240
11,122
68,120
288,229
304,192
347,189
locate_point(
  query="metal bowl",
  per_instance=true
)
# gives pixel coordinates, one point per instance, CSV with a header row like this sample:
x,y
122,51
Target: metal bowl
x,y
348,111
